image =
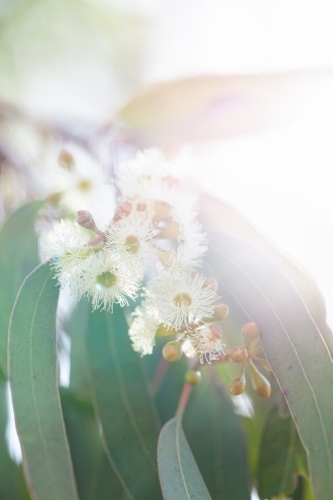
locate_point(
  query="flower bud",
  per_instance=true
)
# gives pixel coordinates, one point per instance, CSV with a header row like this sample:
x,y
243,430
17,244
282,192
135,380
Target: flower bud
x,y
172,352
123,210
259,383
237,386
250,333
85,219
66,160
212,283
221,311
239,354
193,377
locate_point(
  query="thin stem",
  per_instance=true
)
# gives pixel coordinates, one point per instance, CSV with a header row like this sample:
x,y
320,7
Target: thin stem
x,y
159,376
95,241
183,400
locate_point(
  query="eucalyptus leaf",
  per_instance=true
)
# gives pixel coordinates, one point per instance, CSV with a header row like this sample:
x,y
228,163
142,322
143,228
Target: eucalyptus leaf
x,y
220,216
76,328
294,347
18,257
95,477
216,106
217,441
34,384
281,457
179,474
123,403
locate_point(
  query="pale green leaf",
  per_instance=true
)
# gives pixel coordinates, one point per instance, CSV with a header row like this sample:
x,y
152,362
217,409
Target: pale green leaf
x,y
34,385
217,441
123,404
281,458
18,257
179,474
292,342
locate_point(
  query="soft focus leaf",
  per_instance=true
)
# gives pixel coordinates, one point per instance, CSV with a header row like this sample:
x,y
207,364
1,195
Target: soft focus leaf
x,y
215,107
281,457
220,216
292,342
34,384
123,404
12,484
179,474
76,328
217,441
95,477
18,257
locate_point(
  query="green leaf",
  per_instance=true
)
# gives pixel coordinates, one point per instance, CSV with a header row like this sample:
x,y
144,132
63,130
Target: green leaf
x,y
179,474
292,342
281,457
123,404
94,475
12,484
18,257
77,329
217,441
34,385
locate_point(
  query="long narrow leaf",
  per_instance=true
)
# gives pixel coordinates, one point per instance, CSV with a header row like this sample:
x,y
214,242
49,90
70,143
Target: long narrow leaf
x,y
179,474
18,257
217,441
34,385
293,345
95,477
123,404
282,457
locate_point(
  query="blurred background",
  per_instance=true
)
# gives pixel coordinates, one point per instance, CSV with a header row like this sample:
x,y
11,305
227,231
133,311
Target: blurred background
x,y
267,148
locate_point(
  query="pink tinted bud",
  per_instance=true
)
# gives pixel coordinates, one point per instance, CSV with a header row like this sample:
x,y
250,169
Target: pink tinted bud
x,y
123,210
85,219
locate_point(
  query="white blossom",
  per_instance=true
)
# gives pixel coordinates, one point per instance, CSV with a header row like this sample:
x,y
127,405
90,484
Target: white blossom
x,y
147,169
143,329
65,246
131,239
183,302
105,281
84,185
206,342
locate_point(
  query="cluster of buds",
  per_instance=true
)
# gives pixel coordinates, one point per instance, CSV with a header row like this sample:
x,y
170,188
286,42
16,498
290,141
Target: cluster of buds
x,y
250,356
152,247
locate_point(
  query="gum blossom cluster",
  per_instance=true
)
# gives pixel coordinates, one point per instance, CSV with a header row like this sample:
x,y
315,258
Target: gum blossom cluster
x,y
151,248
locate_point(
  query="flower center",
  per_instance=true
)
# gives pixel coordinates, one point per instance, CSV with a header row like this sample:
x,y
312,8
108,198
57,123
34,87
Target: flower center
x,y
141,206
132,244
84,185
182,300
106,280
